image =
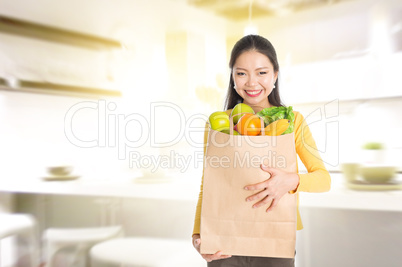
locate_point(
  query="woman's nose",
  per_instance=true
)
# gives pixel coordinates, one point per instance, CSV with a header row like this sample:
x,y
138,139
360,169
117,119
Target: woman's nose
x,y
252,80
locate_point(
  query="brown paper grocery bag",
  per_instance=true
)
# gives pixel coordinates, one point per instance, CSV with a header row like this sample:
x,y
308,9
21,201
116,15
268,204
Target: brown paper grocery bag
x,y
228,222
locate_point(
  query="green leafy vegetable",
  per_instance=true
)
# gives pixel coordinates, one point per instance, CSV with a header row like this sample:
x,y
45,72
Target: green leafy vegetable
x,y
373,146
272,114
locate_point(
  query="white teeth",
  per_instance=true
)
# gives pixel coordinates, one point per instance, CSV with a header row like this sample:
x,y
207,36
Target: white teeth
x,y
253,92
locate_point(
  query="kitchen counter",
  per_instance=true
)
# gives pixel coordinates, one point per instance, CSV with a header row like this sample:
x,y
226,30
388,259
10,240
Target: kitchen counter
x,y
178,189
339,197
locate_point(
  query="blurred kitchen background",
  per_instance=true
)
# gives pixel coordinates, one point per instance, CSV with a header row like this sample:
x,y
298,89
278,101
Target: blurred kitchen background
x,y
109,87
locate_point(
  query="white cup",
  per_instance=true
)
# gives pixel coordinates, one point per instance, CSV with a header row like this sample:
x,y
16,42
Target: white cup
x,y
350,171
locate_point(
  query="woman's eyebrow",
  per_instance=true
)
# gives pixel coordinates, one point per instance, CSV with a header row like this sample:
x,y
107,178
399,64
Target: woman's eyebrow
x,y
238,68
260,68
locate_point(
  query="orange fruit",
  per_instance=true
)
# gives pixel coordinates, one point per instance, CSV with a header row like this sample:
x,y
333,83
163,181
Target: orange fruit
x,y
250,124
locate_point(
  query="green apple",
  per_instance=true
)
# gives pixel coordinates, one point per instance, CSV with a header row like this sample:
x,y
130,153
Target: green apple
x,y
219,120
227,131
238,109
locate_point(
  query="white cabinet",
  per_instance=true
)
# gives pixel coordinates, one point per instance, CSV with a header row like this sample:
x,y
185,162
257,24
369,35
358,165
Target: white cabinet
x,y
364,77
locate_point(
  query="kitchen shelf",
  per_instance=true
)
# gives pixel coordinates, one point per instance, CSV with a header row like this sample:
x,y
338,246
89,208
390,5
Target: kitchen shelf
x,y
31,30
57,88
48,33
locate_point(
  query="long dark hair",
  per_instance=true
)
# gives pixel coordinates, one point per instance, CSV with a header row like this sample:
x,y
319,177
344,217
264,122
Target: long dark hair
x,y
263,46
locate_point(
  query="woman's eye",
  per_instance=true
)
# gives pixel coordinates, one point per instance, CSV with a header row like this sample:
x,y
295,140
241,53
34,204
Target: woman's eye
x,y
263,72
241,74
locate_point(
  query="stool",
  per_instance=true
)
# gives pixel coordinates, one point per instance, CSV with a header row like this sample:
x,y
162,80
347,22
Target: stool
x,y
82,239
23,225
145,252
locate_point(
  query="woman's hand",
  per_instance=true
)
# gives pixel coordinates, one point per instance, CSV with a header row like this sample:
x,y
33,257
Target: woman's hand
x,y
272,189
208,257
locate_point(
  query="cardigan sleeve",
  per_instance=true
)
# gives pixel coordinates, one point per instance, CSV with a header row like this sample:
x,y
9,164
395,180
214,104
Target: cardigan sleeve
x,y
197,220
317,179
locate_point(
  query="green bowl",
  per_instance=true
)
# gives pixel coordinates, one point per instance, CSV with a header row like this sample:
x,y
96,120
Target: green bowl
x,y
377,174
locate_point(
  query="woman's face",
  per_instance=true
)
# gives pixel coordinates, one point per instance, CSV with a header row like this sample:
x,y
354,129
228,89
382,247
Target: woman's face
x,y
254,78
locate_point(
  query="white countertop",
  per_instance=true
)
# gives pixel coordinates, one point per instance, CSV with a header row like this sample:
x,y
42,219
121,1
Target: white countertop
x,y
187,189
178,189
341,197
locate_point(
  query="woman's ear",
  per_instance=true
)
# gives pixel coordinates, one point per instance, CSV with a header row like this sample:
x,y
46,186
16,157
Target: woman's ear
x,y
276,76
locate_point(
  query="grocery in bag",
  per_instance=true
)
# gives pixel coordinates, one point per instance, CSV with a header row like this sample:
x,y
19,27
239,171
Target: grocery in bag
x,y
228,222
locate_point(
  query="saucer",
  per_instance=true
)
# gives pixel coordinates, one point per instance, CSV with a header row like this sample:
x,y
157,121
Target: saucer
x,y
60,177
363,185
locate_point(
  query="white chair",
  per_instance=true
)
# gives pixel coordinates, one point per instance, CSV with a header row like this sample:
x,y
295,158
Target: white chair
x,y
145,252
21,225
80,239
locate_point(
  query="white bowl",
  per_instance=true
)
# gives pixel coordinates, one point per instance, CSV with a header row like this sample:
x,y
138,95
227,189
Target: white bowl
x,y
377,174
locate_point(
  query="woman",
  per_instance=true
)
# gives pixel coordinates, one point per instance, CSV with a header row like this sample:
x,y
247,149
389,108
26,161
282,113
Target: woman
x,y
254,81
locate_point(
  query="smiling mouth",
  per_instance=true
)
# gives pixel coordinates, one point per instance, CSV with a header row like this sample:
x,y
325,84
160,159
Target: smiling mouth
x,y
253,93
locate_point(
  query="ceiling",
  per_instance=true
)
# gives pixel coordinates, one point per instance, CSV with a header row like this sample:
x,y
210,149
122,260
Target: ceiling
x,y
238,10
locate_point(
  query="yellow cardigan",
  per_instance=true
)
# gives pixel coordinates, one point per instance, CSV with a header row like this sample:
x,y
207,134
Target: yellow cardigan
x,y
316,180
